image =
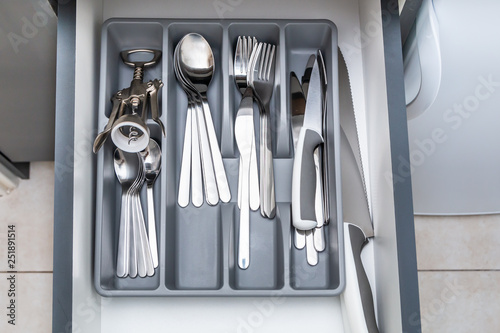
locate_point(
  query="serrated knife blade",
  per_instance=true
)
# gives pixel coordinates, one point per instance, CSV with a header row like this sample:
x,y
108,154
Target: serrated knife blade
x,y
358,228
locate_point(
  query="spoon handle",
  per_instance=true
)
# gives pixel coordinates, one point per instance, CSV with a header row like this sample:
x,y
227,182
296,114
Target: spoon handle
x,y
196,181
123,241
220,172
311,253
299,238
153,246
185,176
133,250
211,192
144,258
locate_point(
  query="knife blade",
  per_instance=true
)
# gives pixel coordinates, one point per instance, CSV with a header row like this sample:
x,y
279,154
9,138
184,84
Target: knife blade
x,y
307,74
357,296
298,107
324,167
321,162
304,169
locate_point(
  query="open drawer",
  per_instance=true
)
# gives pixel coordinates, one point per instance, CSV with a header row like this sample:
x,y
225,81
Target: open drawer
x,y
376,73
198,245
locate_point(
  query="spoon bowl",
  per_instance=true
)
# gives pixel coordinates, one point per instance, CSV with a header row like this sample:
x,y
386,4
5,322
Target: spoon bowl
x,y
196,61
126,168
152,161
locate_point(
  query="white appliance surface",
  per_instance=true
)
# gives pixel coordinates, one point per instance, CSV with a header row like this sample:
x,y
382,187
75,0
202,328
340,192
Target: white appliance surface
x,y
453,155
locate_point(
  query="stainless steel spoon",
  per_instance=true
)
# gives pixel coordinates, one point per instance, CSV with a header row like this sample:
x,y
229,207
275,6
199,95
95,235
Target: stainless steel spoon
x,y
152,167
126,169
202,160
196,62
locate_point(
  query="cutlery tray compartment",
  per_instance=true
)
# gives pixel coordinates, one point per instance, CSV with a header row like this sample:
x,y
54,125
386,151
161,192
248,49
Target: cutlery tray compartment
x,y
198,246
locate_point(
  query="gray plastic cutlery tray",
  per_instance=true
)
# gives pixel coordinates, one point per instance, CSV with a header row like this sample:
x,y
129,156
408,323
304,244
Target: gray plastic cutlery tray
x,y
197,246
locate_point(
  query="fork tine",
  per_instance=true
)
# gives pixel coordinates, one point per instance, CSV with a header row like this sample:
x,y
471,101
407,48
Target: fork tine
x,y
250,45
267,63
262,59
244,54
270,68
254,58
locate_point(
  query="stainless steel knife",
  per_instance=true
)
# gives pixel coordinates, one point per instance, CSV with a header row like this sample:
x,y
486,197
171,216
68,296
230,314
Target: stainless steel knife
x,y
298,107
304,169
307,75
358,227
321,163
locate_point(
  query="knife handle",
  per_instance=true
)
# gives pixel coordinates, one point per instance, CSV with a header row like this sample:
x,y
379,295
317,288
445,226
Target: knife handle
x,y
357,296
304,180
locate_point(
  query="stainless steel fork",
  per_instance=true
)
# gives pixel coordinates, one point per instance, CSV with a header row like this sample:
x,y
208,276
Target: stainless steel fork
x,y
244,47
261,79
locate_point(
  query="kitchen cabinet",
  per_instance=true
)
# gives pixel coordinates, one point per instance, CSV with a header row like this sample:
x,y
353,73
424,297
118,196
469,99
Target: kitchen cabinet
x,y
368,33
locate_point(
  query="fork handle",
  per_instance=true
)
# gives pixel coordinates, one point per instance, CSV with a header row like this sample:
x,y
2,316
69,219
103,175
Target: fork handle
x,y
267,192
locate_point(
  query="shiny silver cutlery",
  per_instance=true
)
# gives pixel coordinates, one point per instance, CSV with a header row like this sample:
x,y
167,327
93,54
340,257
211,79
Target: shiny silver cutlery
x,y
261,79
358,227
152,166
304,170
196,64
298,107
244,47
324,166
321,164
185,174
200,149
194,68
134,255
144,259
244,140
313,240
311,253
126,170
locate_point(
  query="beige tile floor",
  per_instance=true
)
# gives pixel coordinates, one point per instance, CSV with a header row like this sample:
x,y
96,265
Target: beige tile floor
x,y
459,273
30,209
458,263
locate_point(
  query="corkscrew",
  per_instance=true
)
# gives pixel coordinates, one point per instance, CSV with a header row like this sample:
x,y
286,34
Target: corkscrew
x,y
127,121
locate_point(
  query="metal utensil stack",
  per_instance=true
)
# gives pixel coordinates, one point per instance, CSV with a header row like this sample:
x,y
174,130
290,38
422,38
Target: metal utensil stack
x,y
202,169
309,196
137,249
254,76
136,158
